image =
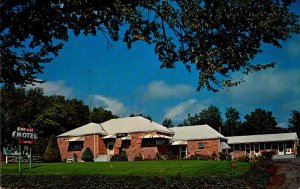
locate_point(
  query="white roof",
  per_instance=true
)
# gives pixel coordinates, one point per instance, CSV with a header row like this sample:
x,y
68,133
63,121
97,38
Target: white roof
x,y
262,138
197,132
88,129
133,125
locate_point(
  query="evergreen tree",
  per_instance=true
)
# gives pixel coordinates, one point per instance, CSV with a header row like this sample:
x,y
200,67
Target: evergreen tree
x,y
87,155
52,152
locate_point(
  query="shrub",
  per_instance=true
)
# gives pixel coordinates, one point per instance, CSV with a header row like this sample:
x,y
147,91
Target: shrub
x,y
138,158
224,156
268,155
52,152
244,158
87,155
298,150
119,157
198,157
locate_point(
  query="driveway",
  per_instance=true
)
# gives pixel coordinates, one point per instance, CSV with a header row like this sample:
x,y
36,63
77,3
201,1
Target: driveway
x,y
287,175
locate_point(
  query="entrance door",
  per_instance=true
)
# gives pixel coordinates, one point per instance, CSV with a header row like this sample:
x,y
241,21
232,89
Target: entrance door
x,y
182,152
256,149
110,147
280,148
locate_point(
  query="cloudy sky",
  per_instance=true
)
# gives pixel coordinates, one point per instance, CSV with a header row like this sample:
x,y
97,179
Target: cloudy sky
x,y
130,81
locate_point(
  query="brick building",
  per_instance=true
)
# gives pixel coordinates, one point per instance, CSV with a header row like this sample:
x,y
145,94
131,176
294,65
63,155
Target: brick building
x,y
139,136
198,139
134,135
253,145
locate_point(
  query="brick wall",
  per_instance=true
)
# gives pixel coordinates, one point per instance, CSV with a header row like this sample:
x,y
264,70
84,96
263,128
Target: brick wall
x,y
135,147
99,148
211,146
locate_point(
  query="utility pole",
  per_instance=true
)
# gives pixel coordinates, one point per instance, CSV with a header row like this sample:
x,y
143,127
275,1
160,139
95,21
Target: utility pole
x,y
90,96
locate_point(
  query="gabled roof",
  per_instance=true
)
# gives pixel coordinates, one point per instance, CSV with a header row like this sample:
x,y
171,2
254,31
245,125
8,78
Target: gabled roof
x,y
88,129
133,125
262,138
197,132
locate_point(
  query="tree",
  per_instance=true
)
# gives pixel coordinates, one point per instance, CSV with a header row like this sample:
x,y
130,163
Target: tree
x,y
232,122
142,115
168,123
210,116
259,122
215,37
52,152
294,122
100,115
87,155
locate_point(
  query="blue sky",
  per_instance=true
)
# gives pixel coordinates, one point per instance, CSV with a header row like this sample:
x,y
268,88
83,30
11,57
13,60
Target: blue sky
x,y
130,81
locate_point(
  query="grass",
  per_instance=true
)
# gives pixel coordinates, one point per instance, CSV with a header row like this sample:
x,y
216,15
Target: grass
x,y
138,168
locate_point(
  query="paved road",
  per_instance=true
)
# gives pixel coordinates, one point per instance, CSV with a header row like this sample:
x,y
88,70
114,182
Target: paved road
x,y
288,174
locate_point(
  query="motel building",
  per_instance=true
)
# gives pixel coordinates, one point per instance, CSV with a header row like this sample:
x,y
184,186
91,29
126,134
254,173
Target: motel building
x,y
138,136
198,139
281,144
134,135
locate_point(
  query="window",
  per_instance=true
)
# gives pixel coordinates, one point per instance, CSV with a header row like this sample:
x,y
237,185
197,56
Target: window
x,y
125,143
201,145
248,148
237,147
75,146
289,145
242,147
160,141
268,146
153,142
256,148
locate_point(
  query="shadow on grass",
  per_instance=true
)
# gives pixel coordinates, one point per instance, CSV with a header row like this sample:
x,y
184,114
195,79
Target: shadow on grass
x,y
33,167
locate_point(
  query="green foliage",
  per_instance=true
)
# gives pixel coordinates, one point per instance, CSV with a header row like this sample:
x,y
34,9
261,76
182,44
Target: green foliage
x,y
210,116
244,158
87,155
100,115
225,156
259,122
52,152
294,122
122,156
167,123
268,155
210,36
139,157
232,122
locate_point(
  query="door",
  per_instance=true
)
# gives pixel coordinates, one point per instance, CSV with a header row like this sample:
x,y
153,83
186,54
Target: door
x,y
110,147
280,148
256,149
182,152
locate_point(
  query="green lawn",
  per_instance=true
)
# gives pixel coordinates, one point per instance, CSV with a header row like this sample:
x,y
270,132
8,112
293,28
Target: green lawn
x,y
143,168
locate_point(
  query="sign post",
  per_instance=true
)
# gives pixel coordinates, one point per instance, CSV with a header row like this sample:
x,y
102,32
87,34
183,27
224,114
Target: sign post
x,y
25,136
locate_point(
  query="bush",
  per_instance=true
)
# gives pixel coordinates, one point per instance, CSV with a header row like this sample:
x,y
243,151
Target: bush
x,y
119,157
138,158
268,155
87,155
52,152
224,156
244,158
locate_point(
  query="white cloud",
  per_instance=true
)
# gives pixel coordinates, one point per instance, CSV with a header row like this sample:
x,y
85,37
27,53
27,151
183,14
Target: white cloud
x,y
268,86
179,112
115,106
54,88
159,89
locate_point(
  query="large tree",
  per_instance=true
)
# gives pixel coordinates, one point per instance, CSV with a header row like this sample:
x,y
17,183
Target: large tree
x,y
259,122
294,122
100,115
232,122
168,123
210,116
214,37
